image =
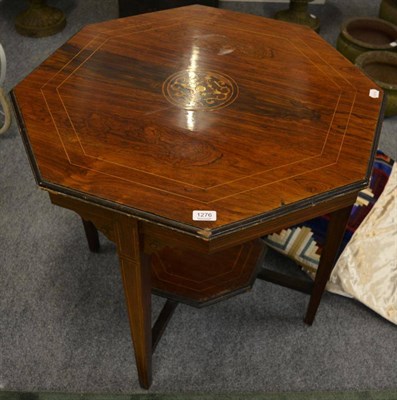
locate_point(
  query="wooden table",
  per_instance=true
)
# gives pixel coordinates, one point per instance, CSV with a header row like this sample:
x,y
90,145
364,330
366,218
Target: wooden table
x,y
185,135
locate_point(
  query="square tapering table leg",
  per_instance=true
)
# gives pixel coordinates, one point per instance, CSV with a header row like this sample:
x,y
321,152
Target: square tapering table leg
x,y
91,233
135,272
335,232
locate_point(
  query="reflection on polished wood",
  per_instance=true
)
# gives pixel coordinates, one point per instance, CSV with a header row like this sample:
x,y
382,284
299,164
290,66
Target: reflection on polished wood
x,y
136,124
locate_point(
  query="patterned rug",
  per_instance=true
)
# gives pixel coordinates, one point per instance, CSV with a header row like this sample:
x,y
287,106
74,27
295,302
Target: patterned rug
x,y
303,242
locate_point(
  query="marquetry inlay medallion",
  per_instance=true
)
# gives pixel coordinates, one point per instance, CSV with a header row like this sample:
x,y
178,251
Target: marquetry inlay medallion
x,y
200,90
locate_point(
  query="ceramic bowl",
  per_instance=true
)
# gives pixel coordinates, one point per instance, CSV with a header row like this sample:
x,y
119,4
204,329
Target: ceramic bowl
x,y
359,35
381,67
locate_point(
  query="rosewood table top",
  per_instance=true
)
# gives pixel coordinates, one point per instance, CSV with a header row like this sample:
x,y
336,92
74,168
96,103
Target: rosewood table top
x,y
203,109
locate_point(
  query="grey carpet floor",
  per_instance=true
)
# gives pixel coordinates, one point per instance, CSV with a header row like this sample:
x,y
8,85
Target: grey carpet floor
x,y
63,322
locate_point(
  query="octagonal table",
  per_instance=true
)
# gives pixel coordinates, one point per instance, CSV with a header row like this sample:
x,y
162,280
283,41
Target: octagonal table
x,y
186,135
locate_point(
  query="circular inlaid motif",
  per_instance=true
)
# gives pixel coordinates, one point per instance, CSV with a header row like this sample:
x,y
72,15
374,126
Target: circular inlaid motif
x,y
200,90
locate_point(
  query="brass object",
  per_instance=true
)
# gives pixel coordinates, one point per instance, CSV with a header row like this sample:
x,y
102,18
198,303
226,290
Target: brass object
x,y
298,13
200,90
40,20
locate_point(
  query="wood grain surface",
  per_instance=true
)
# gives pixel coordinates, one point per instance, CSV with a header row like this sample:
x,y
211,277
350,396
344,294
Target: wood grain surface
x,y
200,279
198,108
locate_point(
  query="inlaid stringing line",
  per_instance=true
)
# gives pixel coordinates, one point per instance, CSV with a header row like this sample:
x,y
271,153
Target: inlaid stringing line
x,y
104,42
269,183
56,128
348,120
76,55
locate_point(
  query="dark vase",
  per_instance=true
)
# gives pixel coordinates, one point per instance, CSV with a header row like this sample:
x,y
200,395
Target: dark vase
x,y
298,13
